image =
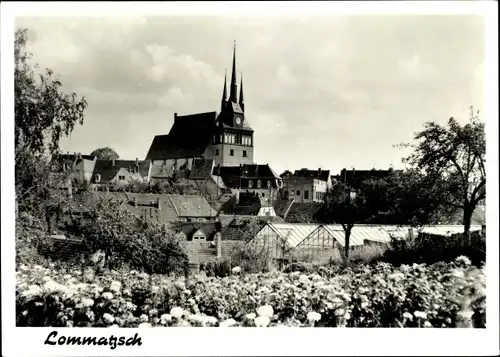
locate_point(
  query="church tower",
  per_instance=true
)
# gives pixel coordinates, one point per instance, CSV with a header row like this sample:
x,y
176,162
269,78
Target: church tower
x,y
233,139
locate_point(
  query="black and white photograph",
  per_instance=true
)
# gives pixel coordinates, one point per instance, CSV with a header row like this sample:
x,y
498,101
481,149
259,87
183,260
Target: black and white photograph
x,y
323,169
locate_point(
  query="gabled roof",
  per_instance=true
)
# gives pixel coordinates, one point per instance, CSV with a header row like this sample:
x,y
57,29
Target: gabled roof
x,y
319,174
108,170
192,206
188,137
209,229
231,174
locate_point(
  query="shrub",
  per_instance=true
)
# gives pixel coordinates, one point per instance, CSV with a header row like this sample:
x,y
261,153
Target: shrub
x,y
431,249
125,239
31,240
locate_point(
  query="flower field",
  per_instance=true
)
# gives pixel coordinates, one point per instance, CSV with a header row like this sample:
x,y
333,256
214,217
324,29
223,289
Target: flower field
x,y
440,295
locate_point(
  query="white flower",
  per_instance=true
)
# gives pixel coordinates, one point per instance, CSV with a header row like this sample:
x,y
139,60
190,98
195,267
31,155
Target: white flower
x,y
236,270
304,278
427,324
107,295
144,325
265,311
46,278
87,302
313,316
396,276
177,312
153,312
165,318
67,276
251,316
144,318
127,292
408,316
227,323
114,326
108,318
262,321
466,314
457,273
116,286
130,306
23,268
420,314
339,312
155,289
463,259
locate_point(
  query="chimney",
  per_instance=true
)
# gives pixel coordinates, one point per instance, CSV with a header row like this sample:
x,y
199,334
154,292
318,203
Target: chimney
x,y
113,162
158,203
175,116
218,242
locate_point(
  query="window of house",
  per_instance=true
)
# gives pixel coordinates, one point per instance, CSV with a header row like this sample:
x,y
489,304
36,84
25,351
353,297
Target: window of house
x,y
263,194
268,183
97,177
250,184
306,194
286,195
259,184
231,152
244,153
216,152
298,192
121,178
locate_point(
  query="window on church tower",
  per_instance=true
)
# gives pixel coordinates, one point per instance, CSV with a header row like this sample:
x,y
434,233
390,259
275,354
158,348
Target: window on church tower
x,y
231,152
237,139
216,152
244,153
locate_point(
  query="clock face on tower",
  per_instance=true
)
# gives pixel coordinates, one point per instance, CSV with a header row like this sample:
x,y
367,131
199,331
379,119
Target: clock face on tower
x,y
238,120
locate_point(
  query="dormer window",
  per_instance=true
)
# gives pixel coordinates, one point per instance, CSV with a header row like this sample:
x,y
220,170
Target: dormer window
x,y
268,184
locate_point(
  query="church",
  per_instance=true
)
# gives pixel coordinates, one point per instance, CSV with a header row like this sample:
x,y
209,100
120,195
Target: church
x,y
226,138
214,146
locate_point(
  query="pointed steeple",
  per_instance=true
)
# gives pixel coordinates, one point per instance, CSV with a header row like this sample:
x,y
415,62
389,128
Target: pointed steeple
x,y
242,102
234,86
223,101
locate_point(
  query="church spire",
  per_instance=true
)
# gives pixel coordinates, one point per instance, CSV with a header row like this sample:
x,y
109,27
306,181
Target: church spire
x,y
223,101
242,102
234,86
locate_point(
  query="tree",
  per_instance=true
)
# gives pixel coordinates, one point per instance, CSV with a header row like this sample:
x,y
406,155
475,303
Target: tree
x,y
105,153
453,158
406,198
43,114
347,207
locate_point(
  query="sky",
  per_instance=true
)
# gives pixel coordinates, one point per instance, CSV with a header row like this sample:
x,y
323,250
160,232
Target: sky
x,y
329,92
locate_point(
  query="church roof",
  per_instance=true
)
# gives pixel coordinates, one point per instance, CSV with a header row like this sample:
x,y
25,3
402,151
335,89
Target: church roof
x,y
231,174
188,137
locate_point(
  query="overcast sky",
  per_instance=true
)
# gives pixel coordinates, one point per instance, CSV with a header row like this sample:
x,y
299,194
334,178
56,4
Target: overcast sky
x,y
328,93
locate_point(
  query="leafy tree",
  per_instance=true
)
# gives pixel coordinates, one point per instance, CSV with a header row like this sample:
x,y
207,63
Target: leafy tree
x,y
347,207
105,153
406,198
43,114
453,158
